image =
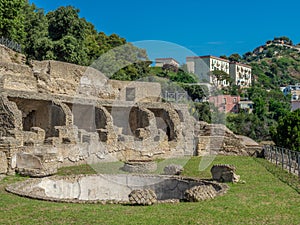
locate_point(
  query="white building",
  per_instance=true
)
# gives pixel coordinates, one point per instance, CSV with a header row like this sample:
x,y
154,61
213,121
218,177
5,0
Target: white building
x,y
240,73
294,90
204,65
159,62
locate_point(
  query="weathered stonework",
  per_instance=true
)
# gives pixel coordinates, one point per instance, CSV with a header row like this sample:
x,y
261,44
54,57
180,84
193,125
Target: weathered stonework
x,y
140,166
112,188
3,163
224,173
64,114
200,193
173,169
142,197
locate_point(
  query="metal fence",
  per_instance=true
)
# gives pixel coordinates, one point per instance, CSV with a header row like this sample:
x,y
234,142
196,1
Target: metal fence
x,y
11,44
287,159
176,96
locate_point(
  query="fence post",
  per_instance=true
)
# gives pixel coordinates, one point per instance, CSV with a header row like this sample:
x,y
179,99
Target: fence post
x,y
289,155
298,164
282,159
294,161
276,156
271,151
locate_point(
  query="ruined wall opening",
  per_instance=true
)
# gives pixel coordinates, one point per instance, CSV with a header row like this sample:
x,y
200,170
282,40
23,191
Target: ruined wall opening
x,y
84,117
130,93
120,117
100,119
29,120
138,118
164,122
58,118
38,113
101,123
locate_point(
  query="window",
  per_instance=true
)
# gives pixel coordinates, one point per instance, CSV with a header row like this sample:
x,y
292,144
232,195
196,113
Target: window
x,y
224,100
130,94
234,100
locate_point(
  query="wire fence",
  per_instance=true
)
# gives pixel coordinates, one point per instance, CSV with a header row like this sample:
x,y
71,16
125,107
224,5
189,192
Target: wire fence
x,y
285,158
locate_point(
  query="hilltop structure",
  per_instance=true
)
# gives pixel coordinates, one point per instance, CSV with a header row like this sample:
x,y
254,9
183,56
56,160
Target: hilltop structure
x,y
160,62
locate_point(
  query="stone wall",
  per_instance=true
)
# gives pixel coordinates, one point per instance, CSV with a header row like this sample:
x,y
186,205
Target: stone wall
x,y
61,114
137,91
10,116
9,56
218,139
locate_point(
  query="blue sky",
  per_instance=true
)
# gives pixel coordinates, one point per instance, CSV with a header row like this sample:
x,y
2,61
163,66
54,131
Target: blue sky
x,y
190,27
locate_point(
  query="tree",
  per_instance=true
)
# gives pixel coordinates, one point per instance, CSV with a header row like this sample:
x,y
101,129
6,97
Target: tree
x,y
235,57
12,20
38,44
115,62
221,75
223,57
65,21
202,111
287,133
195,91
133,72
70,49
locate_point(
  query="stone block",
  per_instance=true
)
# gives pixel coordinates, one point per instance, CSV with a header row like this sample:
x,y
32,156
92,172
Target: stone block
x,y
173,169
200,193
3,163
28,161
224,173
142,197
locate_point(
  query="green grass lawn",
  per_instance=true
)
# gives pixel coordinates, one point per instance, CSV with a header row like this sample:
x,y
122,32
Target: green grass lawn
x,y
264,198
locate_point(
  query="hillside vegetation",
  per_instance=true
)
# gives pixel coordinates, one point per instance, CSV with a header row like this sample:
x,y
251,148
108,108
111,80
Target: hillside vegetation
x,y
275,64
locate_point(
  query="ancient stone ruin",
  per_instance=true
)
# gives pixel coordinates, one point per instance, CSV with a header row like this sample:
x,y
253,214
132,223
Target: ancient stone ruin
x,y
173,169
55,114
224,173
136,189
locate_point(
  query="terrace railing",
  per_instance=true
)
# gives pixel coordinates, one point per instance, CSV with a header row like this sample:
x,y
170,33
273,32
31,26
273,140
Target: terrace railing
x,y
176,96
285,158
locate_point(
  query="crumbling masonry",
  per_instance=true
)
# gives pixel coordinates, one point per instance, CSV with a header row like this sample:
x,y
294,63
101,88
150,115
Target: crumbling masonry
x,y
55,114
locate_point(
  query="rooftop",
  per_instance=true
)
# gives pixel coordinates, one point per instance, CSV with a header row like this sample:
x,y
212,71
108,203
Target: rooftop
x,y
207,56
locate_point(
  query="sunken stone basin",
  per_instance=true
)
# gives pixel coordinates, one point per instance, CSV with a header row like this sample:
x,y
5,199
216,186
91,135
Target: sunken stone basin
x,y
105,188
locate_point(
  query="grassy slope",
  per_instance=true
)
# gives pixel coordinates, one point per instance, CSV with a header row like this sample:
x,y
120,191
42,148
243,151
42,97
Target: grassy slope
x,y
263,199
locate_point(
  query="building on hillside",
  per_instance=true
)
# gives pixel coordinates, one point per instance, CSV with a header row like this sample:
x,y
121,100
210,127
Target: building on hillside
x,y
245,105
160,62
295,105
231,104
241,74
294,90
225,103
204,65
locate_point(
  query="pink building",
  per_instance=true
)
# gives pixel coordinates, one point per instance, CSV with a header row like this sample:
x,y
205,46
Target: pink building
x,y
226,103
